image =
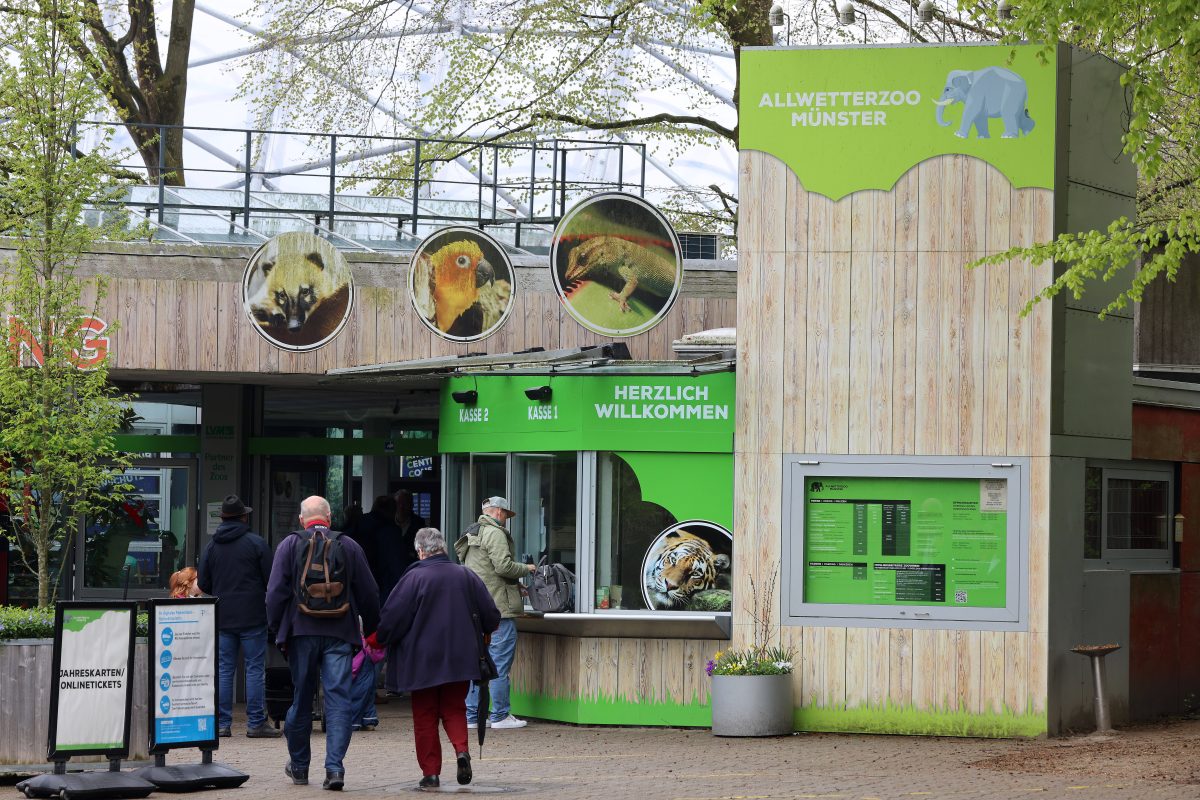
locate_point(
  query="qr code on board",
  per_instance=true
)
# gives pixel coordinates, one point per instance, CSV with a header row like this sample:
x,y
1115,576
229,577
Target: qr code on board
x,y
960,596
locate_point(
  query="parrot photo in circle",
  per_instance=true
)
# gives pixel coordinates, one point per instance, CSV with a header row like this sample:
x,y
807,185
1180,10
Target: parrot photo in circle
x,y
457,291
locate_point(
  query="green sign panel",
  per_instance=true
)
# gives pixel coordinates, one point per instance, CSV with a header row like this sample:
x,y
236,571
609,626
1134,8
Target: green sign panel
x,y
847,119
906,541
685,414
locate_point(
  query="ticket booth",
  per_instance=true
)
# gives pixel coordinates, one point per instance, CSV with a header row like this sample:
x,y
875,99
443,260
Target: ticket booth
x,y
625,475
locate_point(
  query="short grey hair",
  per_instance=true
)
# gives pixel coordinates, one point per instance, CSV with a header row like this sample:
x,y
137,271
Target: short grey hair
x,y
315,507
430,541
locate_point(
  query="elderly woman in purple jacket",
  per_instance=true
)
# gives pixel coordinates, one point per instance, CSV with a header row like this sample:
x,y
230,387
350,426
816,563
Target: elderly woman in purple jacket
x,y
433,651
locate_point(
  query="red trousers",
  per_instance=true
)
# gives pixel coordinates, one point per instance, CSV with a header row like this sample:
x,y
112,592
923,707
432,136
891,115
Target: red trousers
x,y
446,702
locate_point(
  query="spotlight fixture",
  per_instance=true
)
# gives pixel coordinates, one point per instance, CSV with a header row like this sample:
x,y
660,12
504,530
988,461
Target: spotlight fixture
x,y
466,398
846,13
1004,9
539,393
775,16
925,12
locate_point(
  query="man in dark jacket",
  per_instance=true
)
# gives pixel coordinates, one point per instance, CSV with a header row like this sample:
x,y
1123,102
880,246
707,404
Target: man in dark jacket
x,y
234,567
434,649
319,648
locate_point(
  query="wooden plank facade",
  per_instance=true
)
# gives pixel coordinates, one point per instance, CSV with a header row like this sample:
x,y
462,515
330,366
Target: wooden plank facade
x,y
861,332
179,309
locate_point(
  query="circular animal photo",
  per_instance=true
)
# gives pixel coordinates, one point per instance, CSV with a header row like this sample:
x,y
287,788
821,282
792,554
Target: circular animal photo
x,y
462,284
297,291
687,568
616,264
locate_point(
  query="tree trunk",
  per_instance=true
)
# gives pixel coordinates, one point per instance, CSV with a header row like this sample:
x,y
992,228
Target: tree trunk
x,y
43,572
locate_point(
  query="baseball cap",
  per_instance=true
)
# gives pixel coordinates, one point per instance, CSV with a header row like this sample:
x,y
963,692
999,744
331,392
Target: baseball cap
x,y
500,503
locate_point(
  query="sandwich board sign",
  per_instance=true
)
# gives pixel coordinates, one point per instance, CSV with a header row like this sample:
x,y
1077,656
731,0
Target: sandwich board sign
x,y
183,690
183,674
91,700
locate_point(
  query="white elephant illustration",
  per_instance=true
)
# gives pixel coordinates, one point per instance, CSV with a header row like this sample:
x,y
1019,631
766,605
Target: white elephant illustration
x,y
985,94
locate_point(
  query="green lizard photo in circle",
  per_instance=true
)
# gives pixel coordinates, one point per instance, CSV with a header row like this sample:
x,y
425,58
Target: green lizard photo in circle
x,y
616,264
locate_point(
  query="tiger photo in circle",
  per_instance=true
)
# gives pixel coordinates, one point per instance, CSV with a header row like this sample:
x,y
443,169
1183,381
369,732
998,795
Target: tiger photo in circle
x,y
687,568
297,291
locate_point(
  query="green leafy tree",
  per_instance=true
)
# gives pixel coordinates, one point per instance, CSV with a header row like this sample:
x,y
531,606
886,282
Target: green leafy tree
x,y
57,409
1159,42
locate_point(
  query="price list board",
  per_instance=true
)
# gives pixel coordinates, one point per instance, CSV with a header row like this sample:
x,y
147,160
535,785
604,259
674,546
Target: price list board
x,y
906,541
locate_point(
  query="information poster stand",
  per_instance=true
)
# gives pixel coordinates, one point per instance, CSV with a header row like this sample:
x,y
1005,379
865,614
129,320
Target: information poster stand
x,y
182,700
91,701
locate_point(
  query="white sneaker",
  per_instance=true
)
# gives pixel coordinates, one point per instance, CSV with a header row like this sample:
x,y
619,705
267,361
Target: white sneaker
x,y
508,722
472,726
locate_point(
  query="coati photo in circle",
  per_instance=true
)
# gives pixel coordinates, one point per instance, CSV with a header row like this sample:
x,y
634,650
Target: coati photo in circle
x,y
462,284
616,264
688,567
297,291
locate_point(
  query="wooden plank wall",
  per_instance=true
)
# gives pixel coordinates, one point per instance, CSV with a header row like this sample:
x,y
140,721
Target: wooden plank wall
x,y
26,677
860,331
633,670
200,326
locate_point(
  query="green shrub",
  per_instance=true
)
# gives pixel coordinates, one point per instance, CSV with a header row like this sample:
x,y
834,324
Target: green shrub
x,y
38,623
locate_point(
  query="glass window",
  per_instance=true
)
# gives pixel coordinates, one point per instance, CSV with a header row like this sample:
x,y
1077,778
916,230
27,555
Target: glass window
x,y
471,477
544,490
141,538
1128,514
626,527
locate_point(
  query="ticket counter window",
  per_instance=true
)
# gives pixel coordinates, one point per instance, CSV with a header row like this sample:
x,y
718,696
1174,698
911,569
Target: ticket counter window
x,y
658,546
544,495
470,478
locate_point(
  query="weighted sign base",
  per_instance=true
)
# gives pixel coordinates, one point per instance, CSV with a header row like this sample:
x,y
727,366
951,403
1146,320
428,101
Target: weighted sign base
x,y
100,784
192,777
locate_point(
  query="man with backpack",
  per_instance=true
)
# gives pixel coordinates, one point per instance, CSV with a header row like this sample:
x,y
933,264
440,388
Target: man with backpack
x,y
320,586
487,549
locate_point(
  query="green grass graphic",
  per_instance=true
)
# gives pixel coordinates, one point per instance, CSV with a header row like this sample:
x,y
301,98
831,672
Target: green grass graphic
x,y
605,710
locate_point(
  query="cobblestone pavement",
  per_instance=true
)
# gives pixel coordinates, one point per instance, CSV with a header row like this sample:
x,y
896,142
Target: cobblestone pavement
x,y
566,762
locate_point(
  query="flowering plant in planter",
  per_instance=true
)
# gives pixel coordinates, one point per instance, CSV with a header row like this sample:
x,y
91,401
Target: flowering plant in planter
x,y
773,660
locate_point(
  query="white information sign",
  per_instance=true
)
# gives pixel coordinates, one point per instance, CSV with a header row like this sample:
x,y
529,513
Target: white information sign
x,y
184,663
92,703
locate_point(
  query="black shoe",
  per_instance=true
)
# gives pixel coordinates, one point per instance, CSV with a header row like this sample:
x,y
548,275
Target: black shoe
x,y
429,782
464,767
224,733
298,776
334,779
264,731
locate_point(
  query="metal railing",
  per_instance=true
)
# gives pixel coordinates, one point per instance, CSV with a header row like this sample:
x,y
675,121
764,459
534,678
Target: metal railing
x,y
362,192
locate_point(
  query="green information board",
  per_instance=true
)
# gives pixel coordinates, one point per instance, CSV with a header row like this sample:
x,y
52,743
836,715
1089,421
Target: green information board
x,y
906,541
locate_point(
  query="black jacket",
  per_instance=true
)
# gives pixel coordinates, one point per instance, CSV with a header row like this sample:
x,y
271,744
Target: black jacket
x,y
235,567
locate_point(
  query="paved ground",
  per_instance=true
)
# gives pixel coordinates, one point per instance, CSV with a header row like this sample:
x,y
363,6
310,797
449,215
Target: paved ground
x,y
565,762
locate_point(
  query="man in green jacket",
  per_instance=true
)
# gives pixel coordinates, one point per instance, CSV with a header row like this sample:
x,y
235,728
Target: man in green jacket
x,y
487,549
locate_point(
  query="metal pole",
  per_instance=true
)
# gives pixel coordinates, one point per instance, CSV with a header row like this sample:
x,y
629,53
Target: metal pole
x,y
532,183
416,184
162,184
1100,701
562,184
495,180
332,175
642,188
246,176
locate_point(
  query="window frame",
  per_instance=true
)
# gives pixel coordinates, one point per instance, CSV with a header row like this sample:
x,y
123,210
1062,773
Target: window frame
x,y
1127,558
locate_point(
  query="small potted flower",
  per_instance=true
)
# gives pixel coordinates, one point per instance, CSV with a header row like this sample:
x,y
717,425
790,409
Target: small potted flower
x,y
752,687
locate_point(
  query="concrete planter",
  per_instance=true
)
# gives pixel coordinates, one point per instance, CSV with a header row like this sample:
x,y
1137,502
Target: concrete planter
x,y
752,705
25,680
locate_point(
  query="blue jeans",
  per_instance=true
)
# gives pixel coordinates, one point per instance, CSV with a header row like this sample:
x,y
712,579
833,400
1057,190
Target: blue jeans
x,y
253,642
318,661
503,648
362,695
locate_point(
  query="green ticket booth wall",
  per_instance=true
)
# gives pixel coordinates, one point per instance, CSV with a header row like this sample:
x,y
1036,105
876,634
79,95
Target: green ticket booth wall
x,y
628,480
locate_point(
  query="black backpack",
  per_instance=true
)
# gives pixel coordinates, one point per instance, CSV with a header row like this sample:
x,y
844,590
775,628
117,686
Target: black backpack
x,y
552,588
321,586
